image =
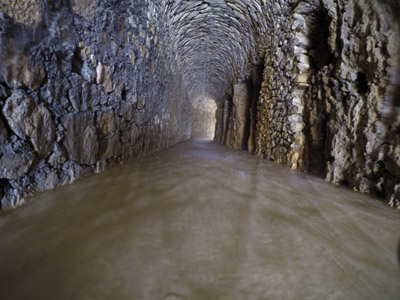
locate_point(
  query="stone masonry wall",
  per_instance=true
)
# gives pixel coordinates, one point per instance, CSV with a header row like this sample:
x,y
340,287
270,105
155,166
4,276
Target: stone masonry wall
x,y
83,84
329,100
279,135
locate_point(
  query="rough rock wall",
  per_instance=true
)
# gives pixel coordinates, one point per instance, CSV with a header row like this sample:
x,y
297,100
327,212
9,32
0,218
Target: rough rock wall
x,y
278,128
360,149
329,101
82,84
238,122
28,12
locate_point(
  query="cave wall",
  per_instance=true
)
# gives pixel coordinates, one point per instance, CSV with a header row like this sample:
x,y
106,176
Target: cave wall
x,y
329,99
83,84
238,121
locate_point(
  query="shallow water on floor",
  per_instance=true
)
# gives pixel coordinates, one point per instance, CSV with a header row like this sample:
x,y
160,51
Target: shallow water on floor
x,y
200,221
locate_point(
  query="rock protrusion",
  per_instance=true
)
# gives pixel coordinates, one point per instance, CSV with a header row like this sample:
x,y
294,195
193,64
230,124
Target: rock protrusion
x,y
16,158
29,120
80,138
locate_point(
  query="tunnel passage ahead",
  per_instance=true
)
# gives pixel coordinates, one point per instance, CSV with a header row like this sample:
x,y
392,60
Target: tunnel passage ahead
x,y
203,118
215,41
200,221
215,44
108,80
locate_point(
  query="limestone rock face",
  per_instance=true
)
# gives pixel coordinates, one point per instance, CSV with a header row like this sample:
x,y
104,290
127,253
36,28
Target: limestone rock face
x,y
85,8
110,147
71,74
28,12
328,86
18,68
239,120
14,166
58,156
30,120
349,93
21,71
15,160
106,122
80,138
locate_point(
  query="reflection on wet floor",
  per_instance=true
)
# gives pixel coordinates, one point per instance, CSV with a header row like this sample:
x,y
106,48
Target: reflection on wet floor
x,y
200,221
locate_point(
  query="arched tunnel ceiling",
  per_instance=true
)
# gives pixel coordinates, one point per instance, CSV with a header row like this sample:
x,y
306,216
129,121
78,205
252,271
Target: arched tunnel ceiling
x,y
213,41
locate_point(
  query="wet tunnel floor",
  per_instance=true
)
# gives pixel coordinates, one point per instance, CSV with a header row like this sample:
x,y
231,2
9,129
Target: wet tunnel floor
x,y
200,221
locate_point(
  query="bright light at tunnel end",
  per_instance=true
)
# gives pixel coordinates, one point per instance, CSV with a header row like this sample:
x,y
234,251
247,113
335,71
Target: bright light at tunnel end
x,y
203,118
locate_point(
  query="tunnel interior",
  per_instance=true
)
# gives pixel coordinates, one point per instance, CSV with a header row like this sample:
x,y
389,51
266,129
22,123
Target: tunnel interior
x,y
207,104
85,84
215,44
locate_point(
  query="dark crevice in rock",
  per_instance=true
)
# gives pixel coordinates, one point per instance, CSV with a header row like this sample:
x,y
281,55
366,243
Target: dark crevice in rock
x,y
76,62
362,83
227,111
316,116
247,122
319,33
256,80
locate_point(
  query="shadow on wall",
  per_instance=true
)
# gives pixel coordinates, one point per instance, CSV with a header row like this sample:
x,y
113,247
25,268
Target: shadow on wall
x,y
203,118
237,113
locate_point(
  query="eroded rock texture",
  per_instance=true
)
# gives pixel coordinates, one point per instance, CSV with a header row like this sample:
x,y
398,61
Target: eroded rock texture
x,y
236,135
83,84
30,121
328,93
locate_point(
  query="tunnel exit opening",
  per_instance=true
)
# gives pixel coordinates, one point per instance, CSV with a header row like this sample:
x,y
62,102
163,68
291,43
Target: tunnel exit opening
x,y
203,118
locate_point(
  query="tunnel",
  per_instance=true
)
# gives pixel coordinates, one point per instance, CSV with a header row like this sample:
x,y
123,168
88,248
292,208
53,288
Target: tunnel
x,y
222,149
